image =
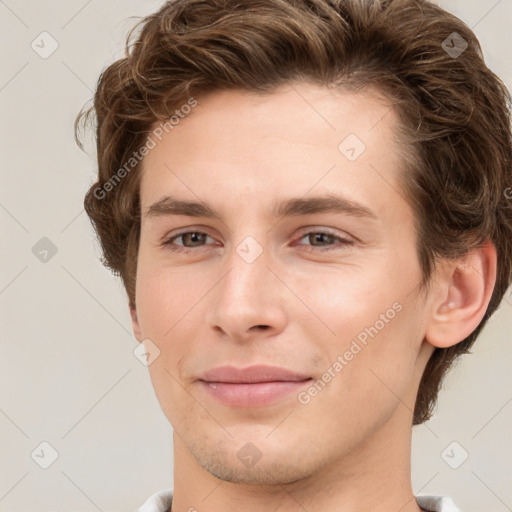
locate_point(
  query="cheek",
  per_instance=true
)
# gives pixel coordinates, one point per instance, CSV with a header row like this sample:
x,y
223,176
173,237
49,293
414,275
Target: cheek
x,y
164,296
367,375
375,325
348,300
165,304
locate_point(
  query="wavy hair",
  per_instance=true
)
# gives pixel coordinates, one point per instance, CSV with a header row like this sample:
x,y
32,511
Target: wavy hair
x,y
454,115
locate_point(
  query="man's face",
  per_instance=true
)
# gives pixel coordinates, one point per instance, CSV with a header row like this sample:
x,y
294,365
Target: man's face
x,y
330,294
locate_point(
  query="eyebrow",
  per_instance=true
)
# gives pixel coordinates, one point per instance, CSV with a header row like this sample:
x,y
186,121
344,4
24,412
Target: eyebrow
x,y
285,208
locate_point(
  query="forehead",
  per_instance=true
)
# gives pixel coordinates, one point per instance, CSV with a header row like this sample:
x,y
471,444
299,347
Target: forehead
x,y
287,139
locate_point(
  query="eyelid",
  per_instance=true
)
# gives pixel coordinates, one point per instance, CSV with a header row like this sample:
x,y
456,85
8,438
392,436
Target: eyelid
x,y
304,231
343,240
328,231
189,229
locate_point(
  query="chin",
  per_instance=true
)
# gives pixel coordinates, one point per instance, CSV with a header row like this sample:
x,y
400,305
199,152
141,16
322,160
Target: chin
x,y
246,464
277,473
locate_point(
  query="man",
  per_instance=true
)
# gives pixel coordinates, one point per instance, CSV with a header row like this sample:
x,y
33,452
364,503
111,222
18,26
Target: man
x,y
306,202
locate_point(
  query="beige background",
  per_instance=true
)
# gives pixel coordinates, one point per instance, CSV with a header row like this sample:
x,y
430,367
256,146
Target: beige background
x,y
68,375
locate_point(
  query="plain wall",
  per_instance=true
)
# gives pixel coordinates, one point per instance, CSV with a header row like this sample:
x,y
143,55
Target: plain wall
x,y
67,370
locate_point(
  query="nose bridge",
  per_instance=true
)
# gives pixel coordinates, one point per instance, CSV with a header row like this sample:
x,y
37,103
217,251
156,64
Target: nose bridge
x,y
247,262
247,295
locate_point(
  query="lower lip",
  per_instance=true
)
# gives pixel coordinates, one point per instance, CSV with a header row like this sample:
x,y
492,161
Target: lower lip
x,y
252,395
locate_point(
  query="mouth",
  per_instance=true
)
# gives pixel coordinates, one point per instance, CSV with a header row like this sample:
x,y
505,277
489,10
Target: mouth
x,y
252,386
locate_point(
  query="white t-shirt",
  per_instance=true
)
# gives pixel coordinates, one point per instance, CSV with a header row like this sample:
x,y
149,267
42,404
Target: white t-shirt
x,y
161,502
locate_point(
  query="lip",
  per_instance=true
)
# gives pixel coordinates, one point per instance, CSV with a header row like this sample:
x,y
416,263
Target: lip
x,y
252,386
252,374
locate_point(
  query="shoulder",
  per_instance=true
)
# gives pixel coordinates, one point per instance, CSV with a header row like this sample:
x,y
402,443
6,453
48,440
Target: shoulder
x,y
159,502
162,500
437,504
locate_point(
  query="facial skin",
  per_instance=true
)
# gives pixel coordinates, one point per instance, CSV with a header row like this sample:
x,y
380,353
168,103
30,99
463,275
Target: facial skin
x,y
295,306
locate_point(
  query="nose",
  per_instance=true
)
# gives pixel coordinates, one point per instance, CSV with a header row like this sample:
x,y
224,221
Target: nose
x,y
248,301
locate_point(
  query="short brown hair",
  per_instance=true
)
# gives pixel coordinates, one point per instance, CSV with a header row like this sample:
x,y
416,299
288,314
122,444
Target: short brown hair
x,y
455,114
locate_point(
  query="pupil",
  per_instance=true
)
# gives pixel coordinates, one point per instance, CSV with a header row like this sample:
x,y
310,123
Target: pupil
x,y
317,237
195,237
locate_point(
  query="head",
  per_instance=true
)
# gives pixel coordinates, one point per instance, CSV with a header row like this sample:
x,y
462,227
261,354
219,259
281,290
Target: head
x,y
243,105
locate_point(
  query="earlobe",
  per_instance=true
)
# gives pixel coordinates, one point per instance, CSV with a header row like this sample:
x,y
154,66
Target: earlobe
x,y
463,291
135,322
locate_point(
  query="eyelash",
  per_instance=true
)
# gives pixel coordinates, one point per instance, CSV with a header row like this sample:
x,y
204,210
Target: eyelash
x,y
176,248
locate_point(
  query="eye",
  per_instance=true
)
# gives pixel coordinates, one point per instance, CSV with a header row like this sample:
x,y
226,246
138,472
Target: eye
x,y
324,240
189,240
319,240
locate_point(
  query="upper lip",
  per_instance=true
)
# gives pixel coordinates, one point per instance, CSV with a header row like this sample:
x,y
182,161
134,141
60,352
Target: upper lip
x,y
252,374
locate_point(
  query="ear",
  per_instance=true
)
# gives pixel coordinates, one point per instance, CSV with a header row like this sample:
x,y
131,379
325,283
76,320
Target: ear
x,y
462,291
135,322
